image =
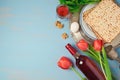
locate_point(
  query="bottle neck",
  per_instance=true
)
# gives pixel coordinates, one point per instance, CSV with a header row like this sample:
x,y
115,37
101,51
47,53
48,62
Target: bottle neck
x,y
76,55
72,51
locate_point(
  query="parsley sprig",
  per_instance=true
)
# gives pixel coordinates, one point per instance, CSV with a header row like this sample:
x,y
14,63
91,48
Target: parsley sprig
x,y
76,5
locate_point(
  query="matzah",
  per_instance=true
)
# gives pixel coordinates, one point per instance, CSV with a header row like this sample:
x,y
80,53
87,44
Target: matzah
x,y
104,20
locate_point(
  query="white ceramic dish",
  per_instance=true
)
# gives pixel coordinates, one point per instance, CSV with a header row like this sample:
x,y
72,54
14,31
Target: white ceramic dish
x,y
86,29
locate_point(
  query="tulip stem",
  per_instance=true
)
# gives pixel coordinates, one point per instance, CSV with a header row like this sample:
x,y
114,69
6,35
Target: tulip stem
x,y
78,73
96,56
93,53
102,65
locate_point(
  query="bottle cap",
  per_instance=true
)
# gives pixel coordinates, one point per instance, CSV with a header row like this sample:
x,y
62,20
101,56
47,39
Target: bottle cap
x,y
71,49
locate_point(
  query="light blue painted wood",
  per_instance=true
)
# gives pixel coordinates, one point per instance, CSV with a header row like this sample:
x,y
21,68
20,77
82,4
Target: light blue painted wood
x,y
30,44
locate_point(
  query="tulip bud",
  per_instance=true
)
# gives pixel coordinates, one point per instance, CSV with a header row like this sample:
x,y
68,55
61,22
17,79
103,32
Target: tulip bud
x,y
64,63
82,45
98,45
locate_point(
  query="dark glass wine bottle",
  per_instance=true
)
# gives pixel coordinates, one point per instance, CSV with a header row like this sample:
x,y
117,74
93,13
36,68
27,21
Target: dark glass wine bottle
x,y
86,65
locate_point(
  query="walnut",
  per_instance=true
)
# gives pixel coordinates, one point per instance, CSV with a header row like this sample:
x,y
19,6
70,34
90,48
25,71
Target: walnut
x,y
59,24
65,36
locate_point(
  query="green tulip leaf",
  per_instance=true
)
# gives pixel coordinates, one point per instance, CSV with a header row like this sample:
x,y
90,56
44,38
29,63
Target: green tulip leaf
x,y
106,66
92,56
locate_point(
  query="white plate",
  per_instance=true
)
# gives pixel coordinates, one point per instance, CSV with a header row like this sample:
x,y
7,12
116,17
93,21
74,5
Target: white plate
x,y
86,29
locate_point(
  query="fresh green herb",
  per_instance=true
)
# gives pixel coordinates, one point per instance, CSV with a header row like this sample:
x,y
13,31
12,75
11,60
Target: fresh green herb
x,y
76,5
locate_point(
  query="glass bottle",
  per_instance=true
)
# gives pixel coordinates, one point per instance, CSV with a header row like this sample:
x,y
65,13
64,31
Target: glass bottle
x,y
86,65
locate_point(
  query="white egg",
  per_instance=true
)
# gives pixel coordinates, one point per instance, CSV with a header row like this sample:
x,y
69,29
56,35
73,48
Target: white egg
x,y
74,27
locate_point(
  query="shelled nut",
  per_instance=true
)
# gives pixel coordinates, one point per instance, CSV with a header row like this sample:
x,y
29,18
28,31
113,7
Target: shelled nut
x,y
59,24
64,35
